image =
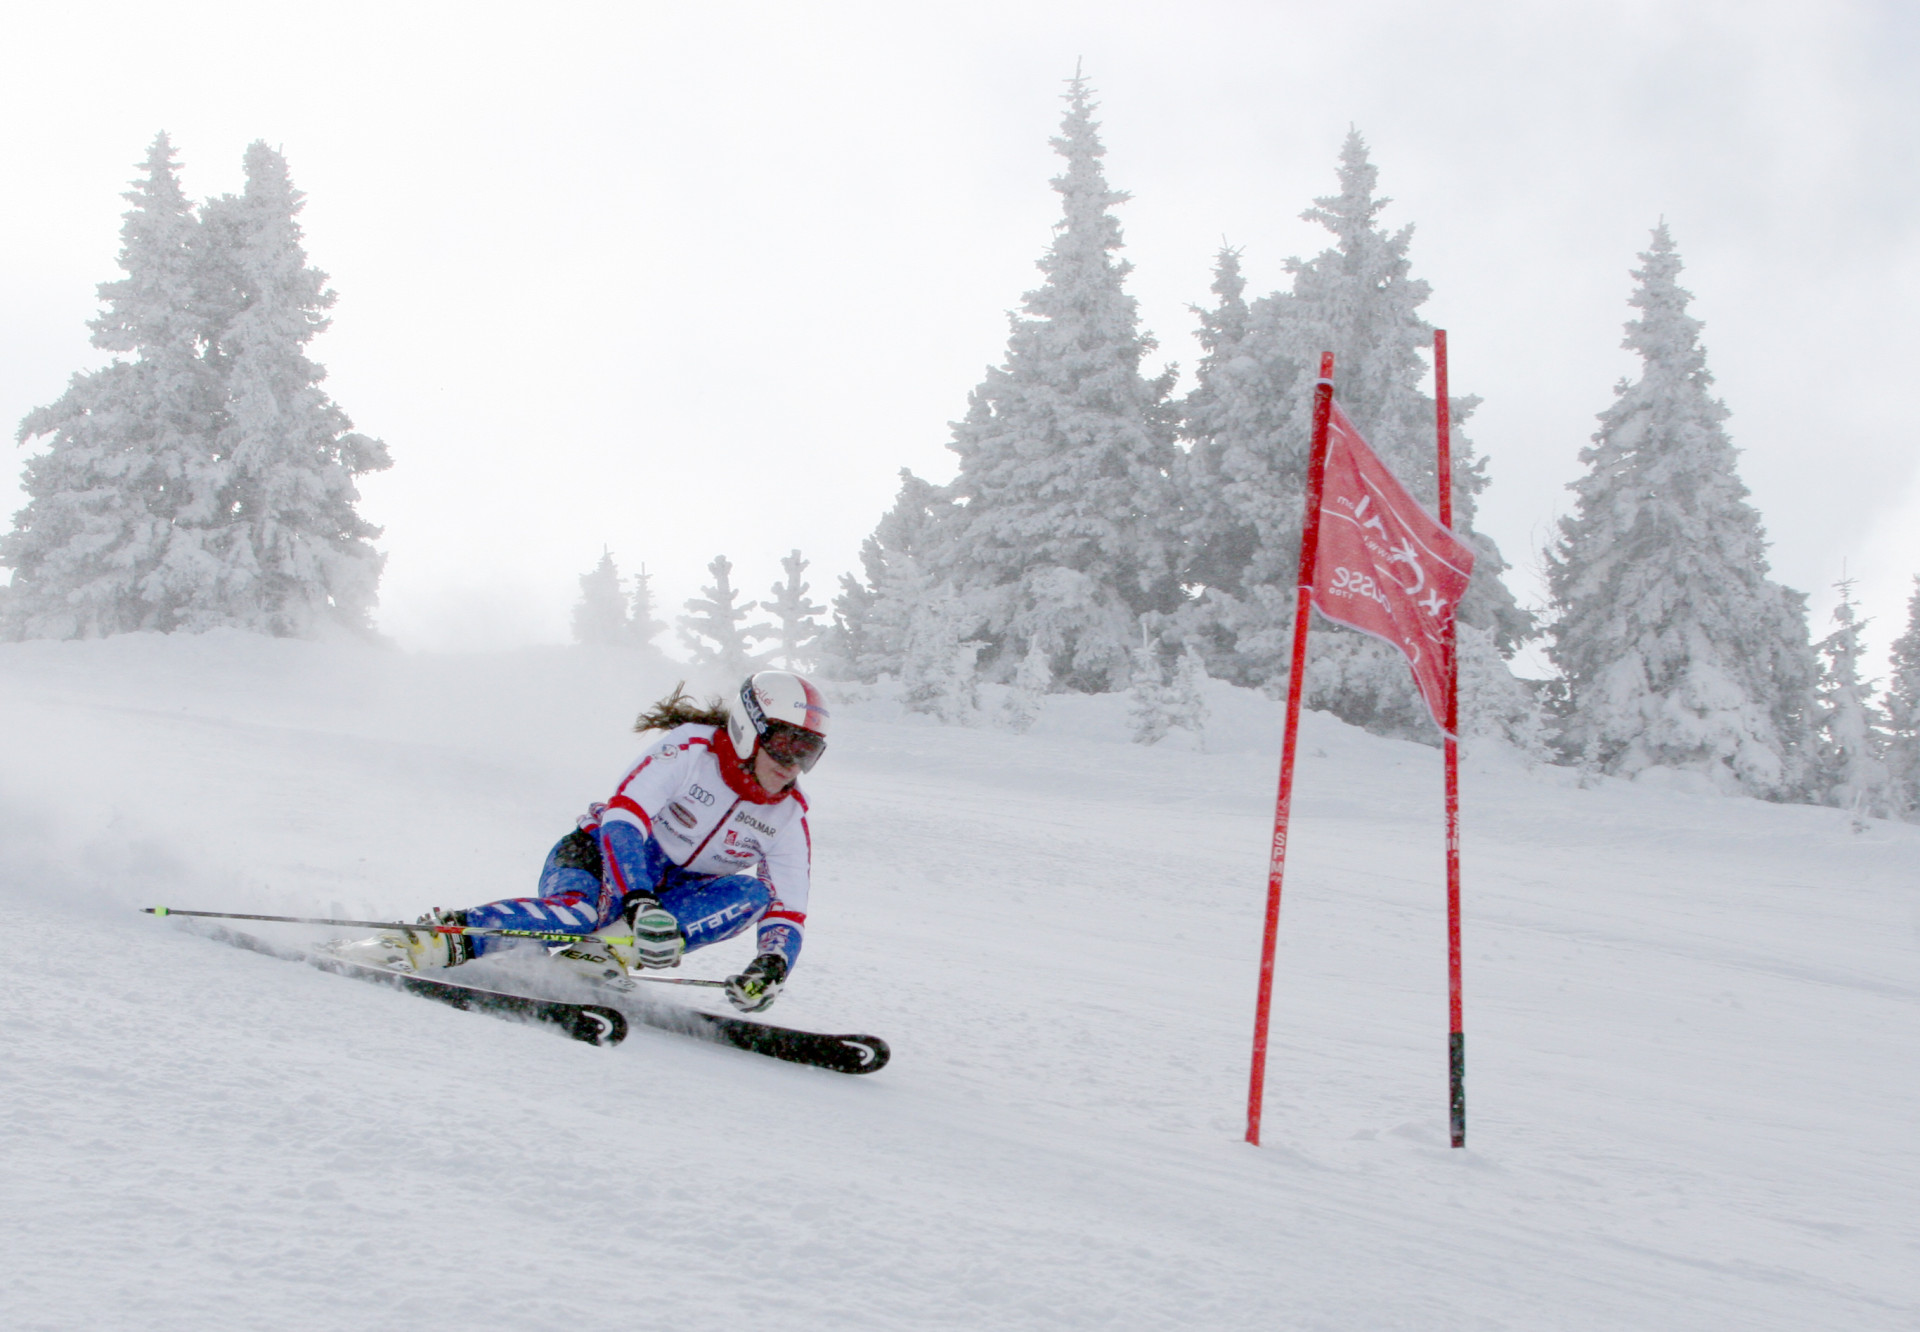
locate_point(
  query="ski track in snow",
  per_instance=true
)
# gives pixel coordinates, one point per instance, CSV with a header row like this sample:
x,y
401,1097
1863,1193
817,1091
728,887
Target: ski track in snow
x,y
1691,1023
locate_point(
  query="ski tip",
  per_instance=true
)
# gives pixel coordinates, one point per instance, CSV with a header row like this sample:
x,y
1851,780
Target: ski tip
x,y
598,1025
867,1054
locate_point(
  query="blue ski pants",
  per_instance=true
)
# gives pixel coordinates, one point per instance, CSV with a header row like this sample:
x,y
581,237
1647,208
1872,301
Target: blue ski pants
x,y
579,893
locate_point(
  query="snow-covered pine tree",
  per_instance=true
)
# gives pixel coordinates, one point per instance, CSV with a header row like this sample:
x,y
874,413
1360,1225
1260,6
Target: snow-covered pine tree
x,y
847,643
118,505
1494,704
1675,647
600,616
1849,732
1188,694
1359,300
1032,682
1147,693
642,627
1064,518
1248,422
796,624
868,636
938,675
291,553
1903,713
1158,704
1241,483
712,630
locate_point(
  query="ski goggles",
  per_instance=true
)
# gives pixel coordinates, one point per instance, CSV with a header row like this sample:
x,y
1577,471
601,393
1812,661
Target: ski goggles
x,y
793,746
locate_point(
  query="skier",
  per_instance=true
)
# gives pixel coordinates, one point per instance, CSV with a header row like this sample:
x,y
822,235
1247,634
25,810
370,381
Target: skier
x,y
705,835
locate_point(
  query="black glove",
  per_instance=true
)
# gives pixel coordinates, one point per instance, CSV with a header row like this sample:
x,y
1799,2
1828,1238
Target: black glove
x,y
755,989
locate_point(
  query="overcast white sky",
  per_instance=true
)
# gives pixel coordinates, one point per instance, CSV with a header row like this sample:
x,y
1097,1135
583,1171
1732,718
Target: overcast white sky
x,y
695,279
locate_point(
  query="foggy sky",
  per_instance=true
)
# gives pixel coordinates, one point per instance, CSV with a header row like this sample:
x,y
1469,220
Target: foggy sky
x,y
688,280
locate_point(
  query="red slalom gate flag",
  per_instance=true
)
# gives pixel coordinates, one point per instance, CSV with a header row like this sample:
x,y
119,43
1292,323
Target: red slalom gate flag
x,y
1385,567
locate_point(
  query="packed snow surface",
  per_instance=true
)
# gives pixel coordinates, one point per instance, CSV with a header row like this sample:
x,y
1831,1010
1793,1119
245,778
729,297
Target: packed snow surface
x,y
1691,1026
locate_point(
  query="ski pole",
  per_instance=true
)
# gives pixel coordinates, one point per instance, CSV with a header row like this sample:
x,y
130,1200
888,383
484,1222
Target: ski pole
x,y
550,936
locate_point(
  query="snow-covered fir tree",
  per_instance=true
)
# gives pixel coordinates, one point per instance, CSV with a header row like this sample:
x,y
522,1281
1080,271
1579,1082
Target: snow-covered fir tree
x,y
1147,693
291,554
1032,682
1248,426
846,651
1157,704
1188,694
1903,713
1061,519
1242,487
1675,647
642,627
1851,771
1494,705
938,672
124,496
712,628
796,627
1359,300
600,616
868,636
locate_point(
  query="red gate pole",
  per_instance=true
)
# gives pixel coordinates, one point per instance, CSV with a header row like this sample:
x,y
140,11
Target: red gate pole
x,y
1456,1031
1283,803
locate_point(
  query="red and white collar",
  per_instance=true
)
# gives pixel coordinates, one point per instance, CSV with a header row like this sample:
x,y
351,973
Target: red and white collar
x,y
738,779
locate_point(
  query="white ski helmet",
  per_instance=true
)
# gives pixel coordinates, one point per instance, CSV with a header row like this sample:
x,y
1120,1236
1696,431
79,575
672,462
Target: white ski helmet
x,y
781,712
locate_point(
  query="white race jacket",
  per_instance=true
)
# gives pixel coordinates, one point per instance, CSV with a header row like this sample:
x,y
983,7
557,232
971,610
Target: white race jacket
x,y
693,796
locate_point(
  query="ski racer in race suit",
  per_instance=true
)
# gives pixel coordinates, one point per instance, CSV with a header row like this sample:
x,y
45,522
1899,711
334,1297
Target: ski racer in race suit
x,y
704,836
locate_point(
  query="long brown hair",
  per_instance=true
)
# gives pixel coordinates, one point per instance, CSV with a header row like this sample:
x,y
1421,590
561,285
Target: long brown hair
x,y
679,708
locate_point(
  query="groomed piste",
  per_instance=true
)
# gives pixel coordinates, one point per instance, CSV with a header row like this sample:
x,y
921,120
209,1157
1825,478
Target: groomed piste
x,y
1691,1022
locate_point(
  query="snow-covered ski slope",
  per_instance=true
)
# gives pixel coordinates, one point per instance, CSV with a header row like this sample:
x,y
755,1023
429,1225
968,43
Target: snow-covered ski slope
x,y
1692,1024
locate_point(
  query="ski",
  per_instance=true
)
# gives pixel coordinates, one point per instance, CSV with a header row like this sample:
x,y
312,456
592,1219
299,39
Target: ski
x,y
603,1023
596,1024
840,1053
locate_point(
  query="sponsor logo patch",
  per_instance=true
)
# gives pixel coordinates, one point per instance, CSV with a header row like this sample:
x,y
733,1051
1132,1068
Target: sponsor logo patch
x,y
719,918
682,815
755,824
700,793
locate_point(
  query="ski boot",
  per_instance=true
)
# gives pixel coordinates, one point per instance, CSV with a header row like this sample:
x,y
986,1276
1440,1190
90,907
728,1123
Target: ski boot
x,y
405,950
